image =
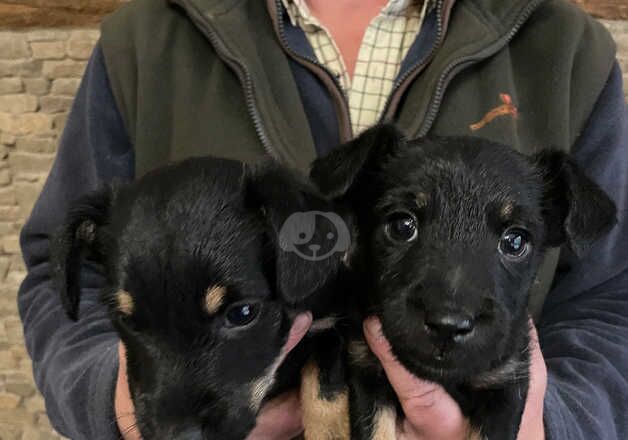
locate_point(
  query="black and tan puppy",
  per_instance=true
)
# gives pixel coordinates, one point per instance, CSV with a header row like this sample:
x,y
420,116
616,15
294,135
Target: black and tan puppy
x,y
202,284
451,233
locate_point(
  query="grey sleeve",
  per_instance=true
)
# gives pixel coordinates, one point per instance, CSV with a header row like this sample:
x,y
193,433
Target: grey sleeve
x,y
584,325
75,364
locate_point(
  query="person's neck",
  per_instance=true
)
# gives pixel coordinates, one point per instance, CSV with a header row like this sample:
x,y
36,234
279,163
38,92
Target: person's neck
x,y
347,21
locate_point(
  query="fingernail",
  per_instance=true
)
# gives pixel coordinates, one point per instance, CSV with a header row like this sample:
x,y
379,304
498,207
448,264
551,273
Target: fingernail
x,y
302,322
373,327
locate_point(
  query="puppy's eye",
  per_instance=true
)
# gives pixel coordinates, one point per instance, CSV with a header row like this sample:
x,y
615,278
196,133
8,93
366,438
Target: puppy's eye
x,y
514,243
401,227
242,314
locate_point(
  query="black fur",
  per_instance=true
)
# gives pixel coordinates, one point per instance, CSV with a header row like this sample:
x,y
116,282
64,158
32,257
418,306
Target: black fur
x,y
165,239
451,304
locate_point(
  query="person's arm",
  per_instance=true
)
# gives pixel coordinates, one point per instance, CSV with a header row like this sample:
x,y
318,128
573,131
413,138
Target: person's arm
x,y
75,364
584,326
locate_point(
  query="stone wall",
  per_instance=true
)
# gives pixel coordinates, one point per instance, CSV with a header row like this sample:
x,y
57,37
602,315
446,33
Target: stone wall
x,y
39,74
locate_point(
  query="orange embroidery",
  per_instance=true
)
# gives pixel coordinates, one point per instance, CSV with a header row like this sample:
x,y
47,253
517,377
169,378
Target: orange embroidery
x,y
507,108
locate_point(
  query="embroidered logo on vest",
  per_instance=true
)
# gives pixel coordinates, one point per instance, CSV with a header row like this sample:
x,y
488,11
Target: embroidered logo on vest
x,y
506,108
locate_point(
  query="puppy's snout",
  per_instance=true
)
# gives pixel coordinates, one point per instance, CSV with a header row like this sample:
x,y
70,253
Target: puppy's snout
x,y
448,326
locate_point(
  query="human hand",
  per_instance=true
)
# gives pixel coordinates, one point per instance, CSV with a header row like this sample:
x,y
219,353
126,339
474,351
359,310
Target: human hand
x,y
279,419
430,413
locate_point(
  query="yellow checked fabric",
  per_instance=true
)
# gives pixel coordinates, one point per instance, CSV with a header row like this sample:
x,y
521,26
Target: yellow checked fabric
x,y
384,46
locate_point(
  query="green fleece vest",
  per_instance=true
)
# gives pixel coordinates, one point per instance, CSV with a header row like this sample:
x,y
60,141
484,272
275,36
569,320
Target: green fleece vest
x,y
198,77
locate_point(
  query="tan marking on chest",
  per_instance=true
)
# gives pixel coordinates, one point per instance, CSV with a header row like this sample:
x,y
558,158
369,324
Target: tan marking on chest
x,y
214,298
385,424
323,419
125,302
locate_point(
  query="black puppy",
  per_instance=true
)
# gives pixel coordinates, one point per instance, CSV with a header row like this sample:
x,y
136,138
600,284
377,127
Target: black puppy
x,y
202,285
450,235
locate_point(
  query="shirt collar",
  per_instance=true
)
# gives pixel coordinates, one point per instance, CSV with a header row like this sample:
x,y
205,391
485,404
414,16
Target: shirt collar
x,y
300,14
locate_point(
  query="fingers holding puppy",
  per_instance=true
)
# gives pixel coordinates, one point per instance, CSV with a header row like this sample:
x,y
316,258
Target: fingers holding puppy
x,y
123,404
430,413
532,427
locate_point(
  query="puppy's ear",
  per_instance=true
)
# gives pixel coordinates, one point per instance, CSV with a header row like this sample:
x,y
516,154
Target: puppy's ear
x,y
77,236
336,173
298,219
576,210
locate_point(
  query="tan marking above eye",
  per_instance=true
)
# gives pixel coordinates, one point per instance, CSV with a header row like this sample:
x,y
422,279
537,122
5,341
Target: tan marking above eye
x,y
214,298
125,302
506,211
421,200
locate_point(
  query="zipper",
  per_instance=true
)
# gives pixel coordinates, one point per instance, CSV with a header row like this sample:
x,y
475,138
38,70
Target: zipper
x,y
417,67
240,69
458,65
323,73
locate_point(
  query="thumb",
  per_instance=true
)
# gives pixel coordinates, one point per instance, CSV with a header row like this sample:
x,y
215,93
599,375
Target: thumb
x,y
300,326
429,410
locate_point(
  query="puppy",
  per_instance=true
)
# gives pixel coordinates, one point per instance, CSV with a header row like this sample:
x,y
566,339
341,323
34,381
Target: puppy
x,y
201,287
450,235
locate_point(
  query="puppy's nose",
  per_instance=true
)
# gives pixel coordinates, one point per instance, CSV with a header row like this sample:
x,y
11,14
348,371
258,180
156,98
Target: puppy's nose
x,y
447,326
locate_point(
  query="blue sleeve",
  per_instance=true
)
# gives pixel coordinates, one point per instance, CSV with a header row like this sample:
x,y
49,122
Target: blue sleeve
x,y
75,364
584,326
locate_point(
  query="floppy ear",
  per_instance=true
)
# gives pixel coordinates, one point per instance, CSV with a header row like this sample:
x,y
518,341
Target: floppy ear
x,y
297,216
336,173
77,236
576,210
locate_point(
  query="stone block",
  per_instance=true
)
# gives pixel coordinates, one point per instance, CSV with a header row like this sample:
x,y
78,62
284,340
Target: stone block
x,y
64,69
7,196
30,163
35,404
5,176
48,50
24,68
9,401
24,124
4,268
65,86
80,49
17,416
11,432
13,45
32,144
85,34
55,104
37,86
59,122
10,213
26,194
10,85
11,244
47,35
21,103
17,265
7,361
8,228
7,139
